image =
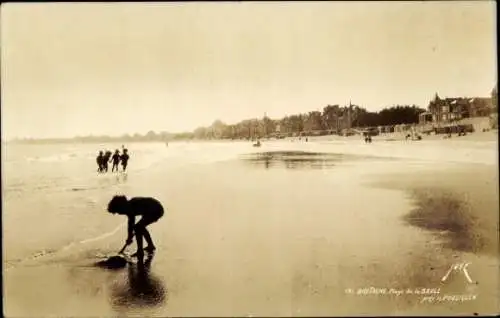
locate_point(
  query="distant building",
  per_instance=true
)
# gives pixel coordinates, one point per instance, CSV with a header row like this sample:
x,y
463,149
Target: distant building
x,y
443,111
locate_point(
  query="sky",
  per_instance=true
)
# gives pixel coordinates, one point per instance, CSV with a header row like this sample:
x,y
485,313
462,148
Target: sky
x,y
113,68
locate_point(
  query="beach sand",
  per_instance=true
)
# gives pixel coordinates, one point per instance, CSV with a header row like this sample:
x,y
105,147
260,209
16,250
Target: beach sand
x,y
284,236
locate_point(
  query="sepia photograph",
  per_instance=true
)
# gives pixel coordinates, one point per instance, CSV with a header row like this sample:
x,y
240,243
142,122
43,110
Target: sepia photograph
x,y
249,159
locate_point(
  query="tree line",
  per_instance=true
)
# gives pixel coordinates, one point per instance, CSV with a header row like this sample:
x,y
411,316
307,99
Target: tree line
x,y
332,120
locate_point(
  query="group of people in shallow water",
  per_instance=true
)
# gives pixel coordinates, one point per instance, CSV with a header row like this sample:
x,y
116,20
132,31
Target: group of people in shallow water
x,y
106,157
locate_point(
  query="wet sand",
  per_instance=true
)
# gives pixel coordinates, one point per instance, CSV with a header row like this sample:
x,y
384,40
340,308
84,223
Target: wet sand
x,y
284,236
459,206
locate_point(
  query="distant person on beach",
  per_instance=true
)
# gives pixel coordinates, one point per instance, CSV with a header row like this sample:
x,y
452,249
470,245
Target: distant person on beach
x,y
151,211
116,160
124,159
100,162
107,156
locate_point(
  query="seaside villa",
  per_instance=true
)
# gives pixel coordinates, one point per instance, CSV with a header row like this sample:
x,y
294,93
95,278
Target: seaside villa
x,y
477,112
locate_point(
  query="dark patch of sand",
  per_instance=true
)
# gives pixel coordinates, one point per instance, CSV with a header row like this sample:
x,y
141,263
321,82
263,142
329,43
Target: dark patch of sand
x,y
454,219
459,205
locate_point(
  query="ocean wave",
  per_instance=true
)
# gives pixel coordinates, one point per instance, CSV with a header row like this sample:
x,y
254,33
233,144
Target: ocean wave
x,y
10,264
52,158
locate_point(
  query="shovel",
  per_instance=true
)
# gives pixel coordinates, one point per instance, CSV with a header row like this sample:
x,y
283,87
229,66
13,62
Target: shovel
x,y
123,249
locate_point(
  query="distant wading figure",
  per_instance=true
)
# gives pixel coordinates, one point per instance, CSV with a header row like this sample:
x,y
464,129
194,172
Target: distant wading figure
x,y
151,211
100,162
107,156
124,159
116,160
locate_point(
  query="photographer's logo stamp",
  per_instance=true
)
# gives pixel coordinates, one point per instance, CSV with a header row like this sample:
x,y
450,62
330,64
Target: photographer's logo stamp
x,y
458,267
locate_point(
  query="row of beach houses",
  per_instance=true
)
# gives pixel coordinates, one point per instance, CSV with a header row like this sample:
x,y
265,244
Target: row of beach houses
x,y
449,115
443,116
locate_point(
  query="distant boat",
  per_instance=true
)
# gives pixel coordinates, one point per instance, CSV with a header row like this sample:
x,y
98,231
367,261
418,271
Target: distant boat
x,y
257,144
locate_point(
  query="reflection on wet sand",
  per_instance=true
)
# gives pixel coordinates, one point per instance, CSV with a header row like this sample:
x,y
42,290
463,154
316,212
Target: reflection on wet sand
x,y
140,288
108,180
295,159
121,177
